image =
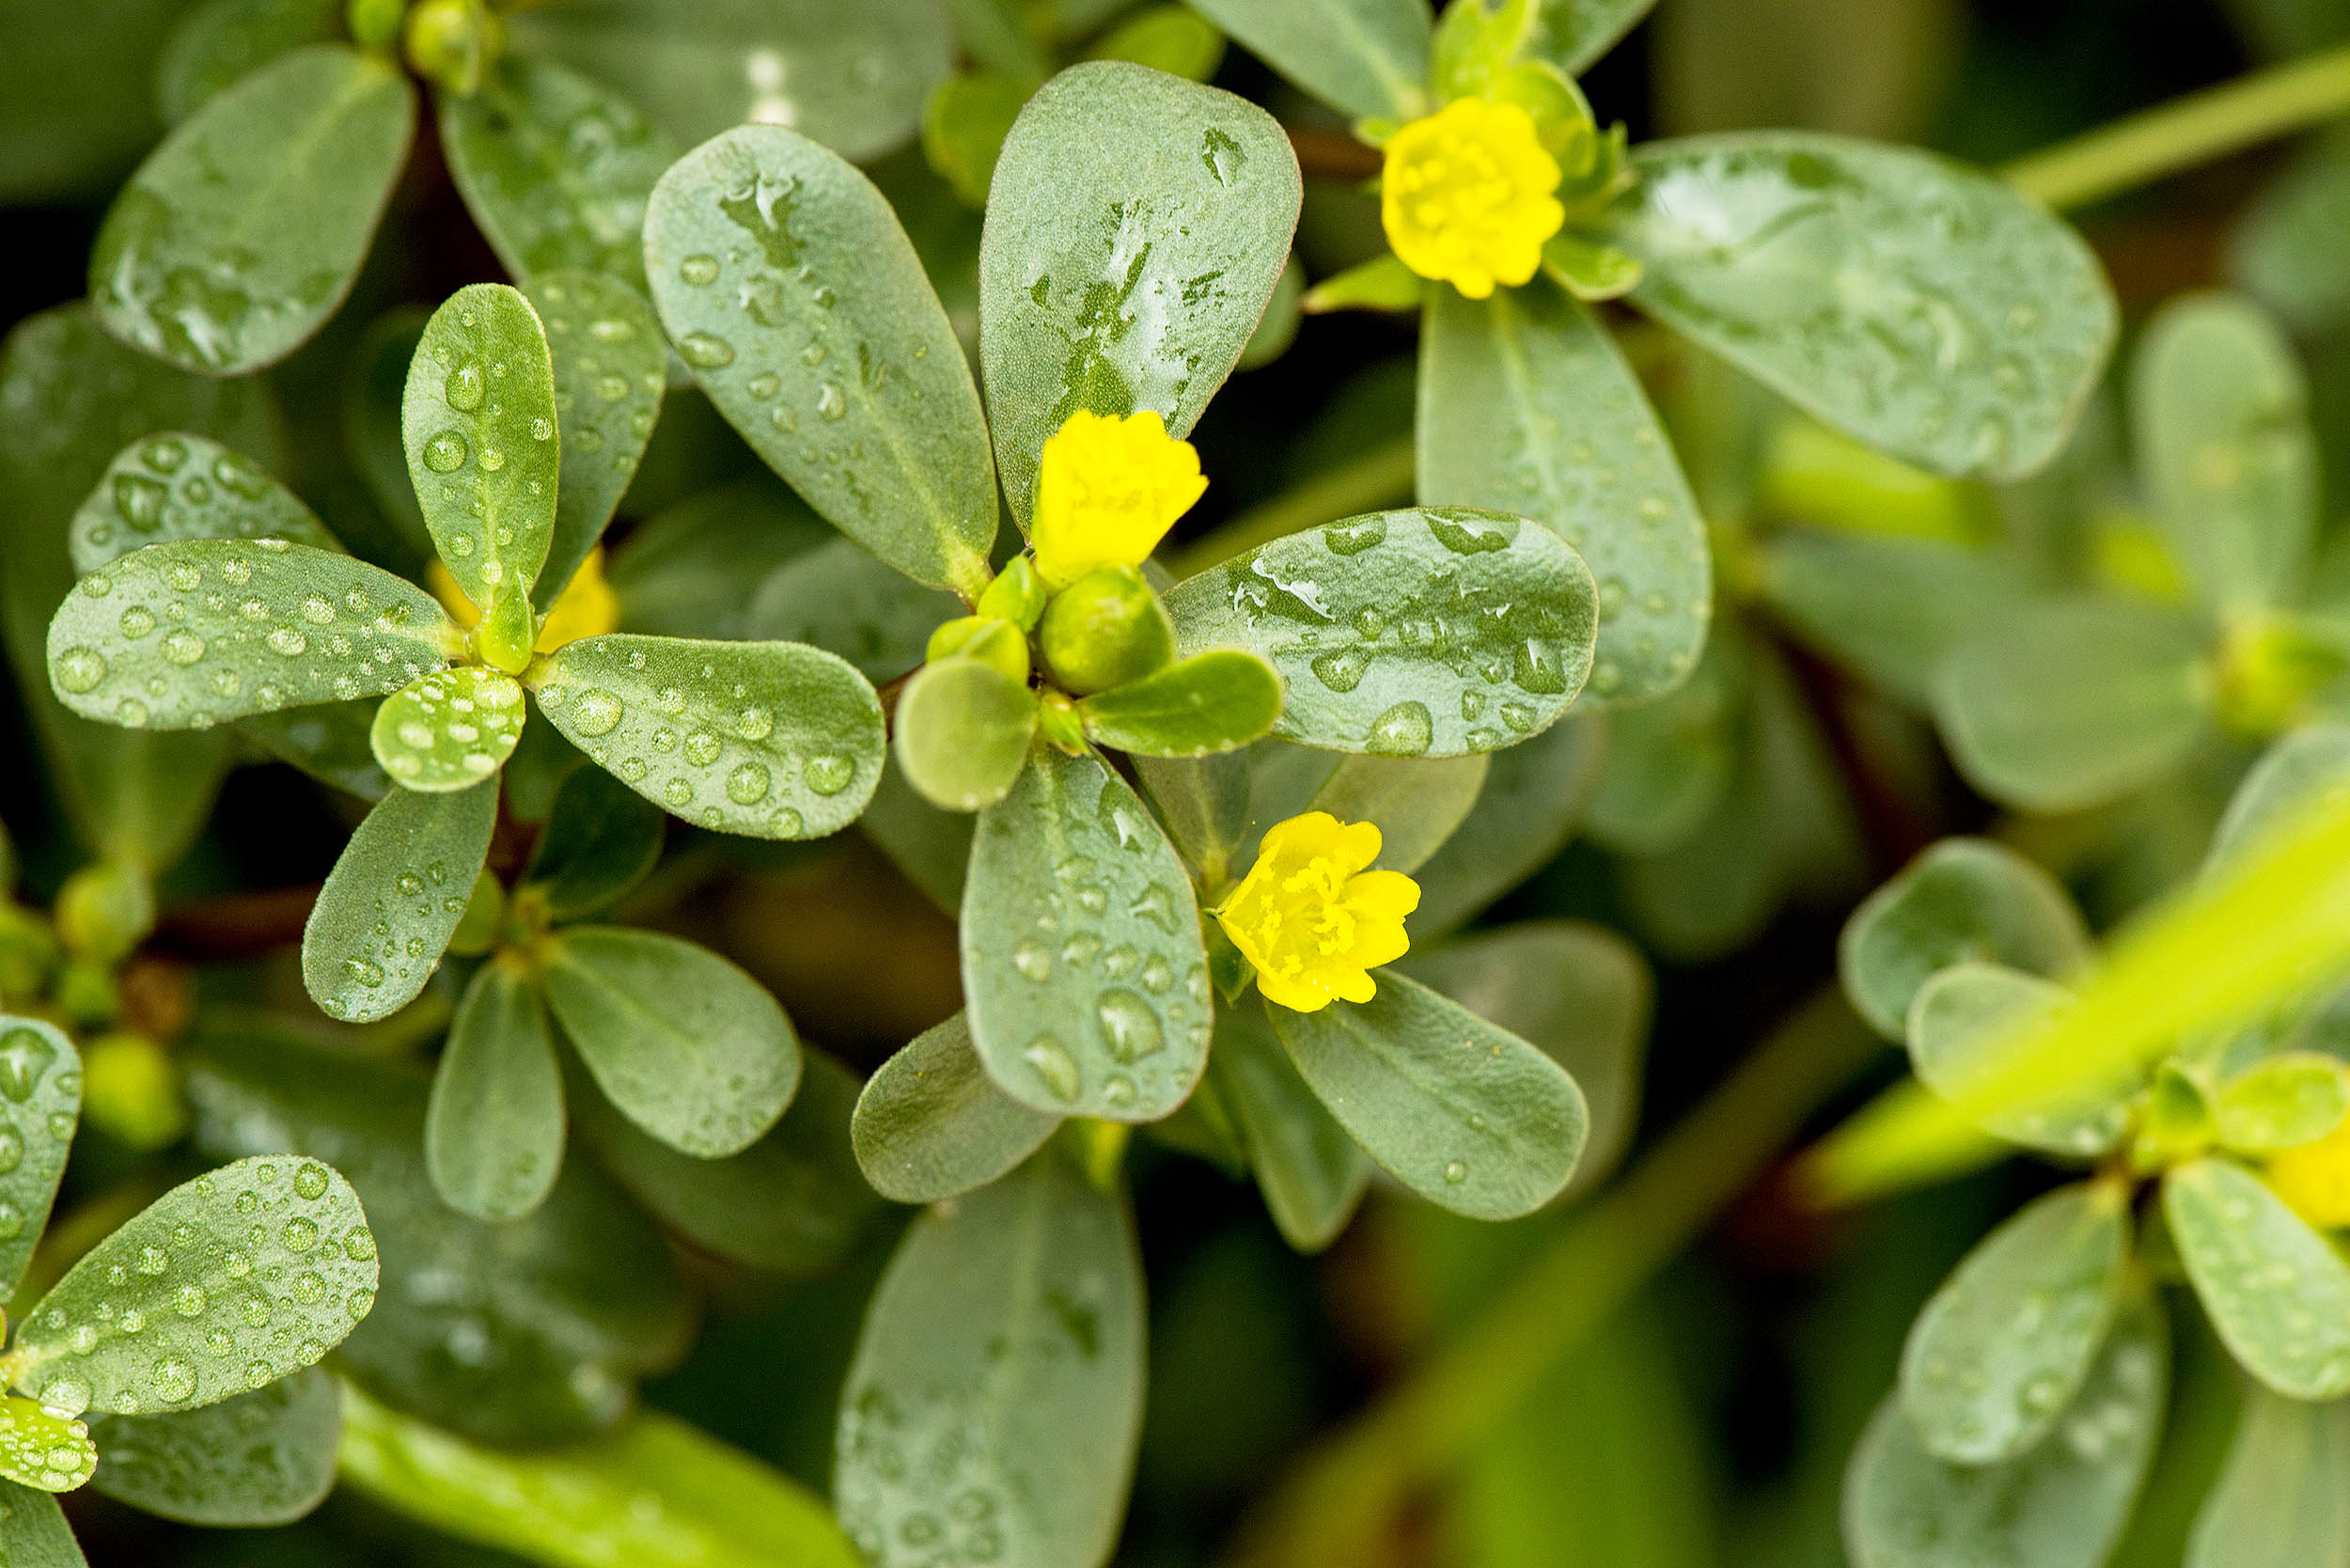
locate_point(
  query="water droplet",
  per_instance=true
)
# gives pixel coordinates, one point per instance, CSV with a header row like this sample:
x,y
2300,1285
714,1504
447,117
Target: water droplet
x,y
189,1301
1355,536
139,501
701,748
465,386
1342,671
173,1380
1403,731
257,1375
765,386
11,1221
365,971
543,428
310,1180
11,1149
1053,1065
748,784
827,774
1455,1172
787,823
677,792
595,711
1034,960
446,452
130,714
80,669
698,270
1129,1028
183,646
67,1396
137,622
705,352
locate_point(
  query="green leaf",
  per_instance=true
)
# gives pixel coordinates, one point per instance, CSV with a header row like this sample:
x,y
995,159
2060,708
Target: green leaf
x,y
1535,795
1415,802
77,104
853,77
47,1452
773,740
1409,633
374,380
2061,1504
2289,1099
1961,899
1136,227
2283,1501
1888,608
2277,1293
1671,763
2066,703
794,296
328,740
33,1531
995,1400
1465,1113
688,1047
1219,700
838,598
409,867
218,43
964,727
477,421
556,167
600,839
2010,1337
450,731
2283,249
226,1282
693,568
1362,57
1202,802
1311,1174
609,372
1084,979
2294,774
494,1128
964,126
793,1202
180,486
41,1102
930,846
1922,307
241,233
266,1457
1964,1008
930,1124
1526,406
2219,411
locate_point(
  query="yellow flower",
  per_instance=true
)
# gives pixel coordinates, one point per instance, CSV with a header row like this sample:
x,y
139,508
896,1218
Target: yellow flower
x,y
1466,195
1107,492
1312,920
2314,1180
587,607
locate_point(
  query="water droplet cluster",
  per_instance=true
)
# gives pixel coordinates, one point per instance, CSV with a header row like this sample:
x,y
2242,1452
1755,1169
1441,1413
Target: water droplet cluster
x,y
451,730
40,1097
174,486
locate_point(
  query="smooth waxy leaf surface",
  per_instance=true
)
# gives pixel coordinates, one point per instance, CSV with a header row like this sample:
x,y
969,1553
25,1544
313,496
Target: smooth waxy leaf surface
x,y
2061,1504
493,1127
600,838
2293,776
2277,1293
1890,608
1535,795
1219,700
2282,250
690,1048
449,731
218,43
2221,410
930,1124
556,167
801,307
1135,231
2291,1099
2283,1500
241,233
226,1282
610,373
1961,899
1671,762
1963,1009
1362,57
995,1400
33,1531
1526,406
266,1457
410,867
39,1449
1462,1111
477,421
183,634
1085,986
374,378
329,742
41,1102
181,486
963,732
1311,1174
1573,34
1416,802
2010,1337
1921,306
839,598
1202,802
1413,632
774,740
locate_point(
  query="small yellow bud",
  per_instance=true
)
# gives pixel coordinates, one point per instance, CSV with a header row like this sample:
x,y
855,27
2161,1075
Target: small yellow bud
x,y
1467,195
1107,491
1312,920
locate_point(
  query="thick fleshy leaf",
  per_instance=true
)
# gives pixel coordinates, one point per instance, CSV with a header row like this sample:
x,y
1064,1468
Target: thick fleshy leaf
x,y
1311,1174
1526,406
774,740
266,1457
600,838
1962,1008
184,635
2011,1336
1961,899
609,372
1134,232
33,1531
853,77
329,741
2283,1500
1670,763
44,1449
1362,57
556,167
494,1128
374,378
2065,703
220,42
1921,305
174,485
41,1102
2291,1099
1219,700
2290,776
839,598
1415,802
2277,1291
449,731
930,1124
1462,1111
801,307
1889,609
229,1281
2061,1504
1085,983
995,1400
1202,802
1536,794
964,730
1573,34
2220,414
2282,250
1413,633
408,867
241,233
477,421
692,569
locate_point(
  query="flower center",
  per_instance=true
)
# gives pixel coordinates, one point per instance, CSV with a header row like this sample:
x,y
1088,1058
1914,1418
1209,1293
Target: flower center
x,y
1467,195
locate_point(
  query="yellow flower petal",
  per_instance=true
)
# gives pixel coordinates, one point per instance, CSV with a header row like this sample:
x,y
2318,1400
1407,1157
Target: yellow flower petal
x,y
1311,920
1466,195
587,607
2314,1180
1106,492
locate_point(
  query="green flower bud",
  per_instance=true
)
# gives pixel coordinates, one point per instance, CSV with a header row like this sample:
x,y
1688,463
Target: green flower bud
x,y
453,42
1105,630
374,23
503,638
1059,721
86,993
985,637
131,1089
28,951
103,911
1016,595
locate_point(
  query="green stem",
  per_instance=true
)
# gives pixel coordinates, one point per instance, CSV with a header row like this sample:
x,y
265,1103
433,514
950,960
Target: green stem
x,y
2187,131
1346,1495
1381,476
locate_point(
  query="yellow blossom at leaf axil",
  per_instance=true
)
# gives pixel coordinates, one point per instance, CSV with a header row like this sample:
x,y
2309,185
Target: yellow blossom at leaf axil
x,y
1312,918
587,607
1467,195
2314,1180
1106,492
